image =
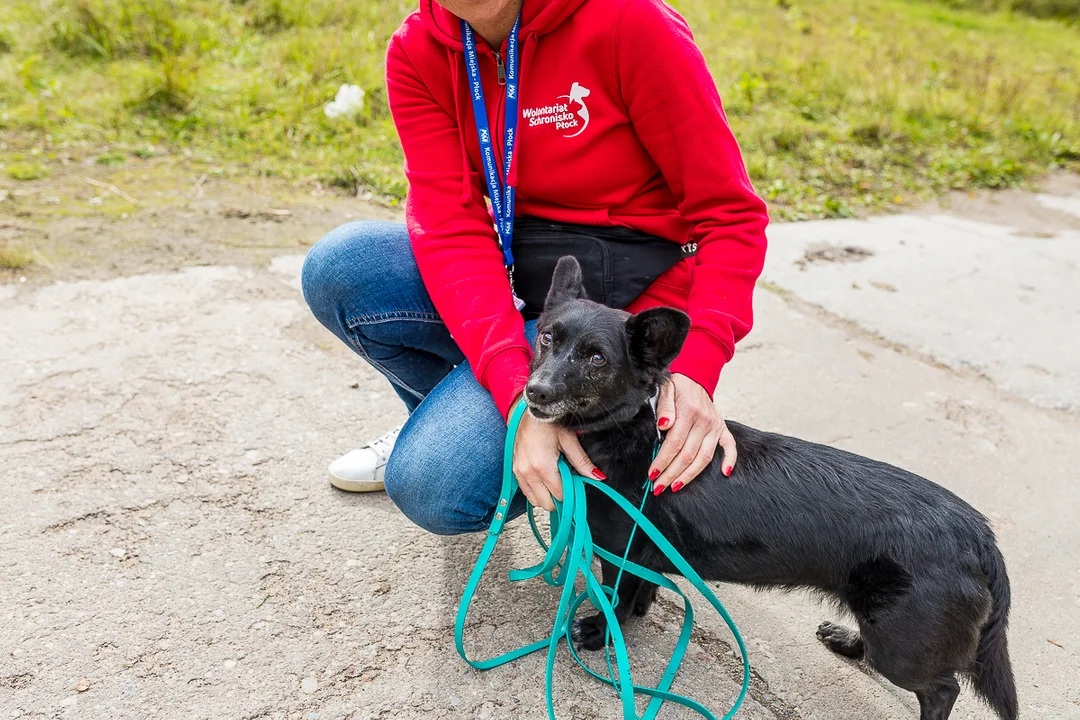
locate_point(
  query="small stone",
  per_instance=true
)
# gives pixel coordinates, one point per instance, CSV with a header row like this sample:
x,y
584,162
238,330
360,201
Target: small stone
x,y
354,386
230,664
309,685
118,552
83,685
69,701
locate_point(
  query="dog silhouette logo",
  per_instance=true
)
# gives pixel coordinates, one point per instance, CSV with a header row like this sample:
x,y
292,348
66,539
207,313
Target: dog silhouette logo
x,y
577,95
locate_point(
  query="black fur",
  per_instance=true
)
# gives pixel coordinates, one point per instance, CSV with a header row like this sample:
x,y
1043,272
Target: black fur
x,y
876,586
917,566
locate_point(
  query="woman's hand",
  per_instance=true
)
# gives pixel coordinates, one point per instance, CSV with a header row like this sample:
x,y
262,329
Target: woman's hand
x,y
536,457
694,429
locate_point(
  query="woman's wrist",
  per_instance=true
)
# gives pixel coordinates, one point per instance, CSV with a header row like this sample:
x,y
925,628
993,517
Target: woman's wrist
x,y
513,404
701,359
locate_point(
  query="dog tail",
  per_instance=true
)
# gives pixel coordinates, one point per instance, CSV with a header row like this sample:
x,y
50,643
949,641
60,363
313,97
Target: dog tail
x,y
992,674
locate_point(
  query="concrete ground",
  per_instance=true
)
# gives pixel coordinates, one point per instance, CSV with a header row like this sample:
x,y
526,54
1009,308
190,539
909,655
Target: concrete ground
x,y
169,546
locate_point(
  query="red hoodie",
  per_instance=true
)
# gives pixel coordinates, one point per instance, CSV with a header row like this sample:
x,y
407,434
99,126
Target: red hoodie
x,y
621,124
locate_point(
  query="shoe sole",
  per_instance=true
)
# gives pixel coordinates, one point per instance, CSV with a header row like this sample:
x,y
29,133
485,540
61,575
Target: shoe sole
x,y
356,486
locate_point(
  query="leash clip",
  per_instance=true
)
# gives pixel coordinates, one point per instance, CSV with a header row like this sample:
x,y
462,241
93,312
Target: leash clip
x,y
653,402
518,302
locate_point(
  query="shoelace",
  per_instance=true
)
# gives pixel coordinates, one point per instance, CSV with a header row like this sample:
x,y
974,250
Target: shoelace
x,y
568,555
384,444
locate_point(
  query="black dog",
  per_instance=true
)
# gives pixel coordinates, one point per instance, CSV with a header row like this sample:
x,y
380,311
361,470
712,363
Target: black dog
x,y
917,566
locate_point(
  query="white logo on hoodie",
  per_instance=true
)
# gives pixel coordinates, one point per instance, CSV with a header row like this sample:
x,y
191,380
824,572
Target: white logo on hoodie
x,y
578,95
560,114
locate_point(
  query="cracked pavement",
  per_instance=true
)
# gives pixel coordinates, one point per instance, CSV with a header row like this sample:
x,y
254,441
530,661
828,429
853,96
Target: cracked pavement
x,y
170,548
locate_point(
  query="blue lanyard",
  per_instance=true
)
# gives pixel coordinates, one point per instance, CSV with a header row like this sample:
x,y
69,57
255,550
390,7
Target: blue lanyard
x,y
502,195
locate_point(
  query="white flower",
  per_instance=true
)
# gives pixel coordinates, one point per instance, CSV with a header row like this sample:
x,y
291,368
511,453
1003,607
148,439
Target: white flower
x,y
348,102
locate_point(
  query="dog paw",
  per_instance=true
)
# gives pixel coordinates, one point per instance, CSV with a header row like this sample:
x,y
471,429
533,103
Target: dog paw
x,y
840,639
588,633
826,630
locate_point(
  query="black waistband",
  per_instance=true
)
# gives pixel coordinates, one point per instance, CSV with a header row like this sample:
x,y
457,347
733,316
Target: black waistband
x,y
617,263
615,233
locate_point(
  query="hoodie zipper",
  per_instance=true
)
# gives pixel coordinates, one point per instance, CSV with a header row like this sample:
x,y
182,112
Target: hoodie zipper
x,y
500,68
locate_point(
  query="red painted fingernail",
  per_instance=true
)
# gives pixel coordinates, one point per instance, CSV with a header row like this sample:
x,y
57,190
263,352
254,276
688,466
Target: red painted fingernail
x,y
662,423
728,471
654,474
676,486
657,490
598,475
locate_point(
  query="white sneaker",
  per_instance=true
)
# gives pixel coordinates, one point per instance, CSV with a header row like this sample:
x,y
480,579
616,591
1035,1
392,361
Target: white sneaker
x,y
361,470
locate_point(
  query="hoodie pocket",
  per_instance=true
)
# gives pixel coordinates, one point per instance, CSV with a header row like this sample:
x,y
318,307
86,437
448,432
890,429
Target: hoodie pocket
x,y
537,252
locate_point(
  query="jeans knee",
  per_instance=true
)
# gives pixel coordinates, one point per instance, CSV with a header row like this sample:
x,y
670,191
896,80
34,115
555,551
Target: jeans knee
x,y
346,264
420,489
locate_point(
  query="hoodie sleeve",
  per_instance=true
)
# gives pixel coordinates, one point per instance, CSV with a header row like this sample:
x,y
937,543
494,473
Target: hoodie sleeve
x,y
676,112
453,237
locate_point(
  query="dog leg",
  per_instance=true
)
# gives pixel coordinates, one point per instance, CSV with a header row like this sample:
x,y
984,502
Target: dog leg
x,y
635,597
841,640
645,597
937,703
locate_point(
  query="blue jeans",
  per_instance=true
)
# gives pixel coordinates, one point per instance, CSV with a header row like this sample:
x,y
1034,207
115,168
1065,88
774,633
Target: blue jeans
x,y
445,473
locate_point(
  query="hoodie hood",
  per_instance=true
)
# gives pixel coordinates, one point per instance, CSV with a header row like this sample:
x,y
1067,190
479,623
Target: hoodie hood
x,y
537,17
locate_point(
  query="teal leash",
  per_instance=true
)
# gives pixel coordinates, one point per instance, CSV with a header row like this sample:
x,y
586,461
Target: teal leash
x,y
568,555
646,489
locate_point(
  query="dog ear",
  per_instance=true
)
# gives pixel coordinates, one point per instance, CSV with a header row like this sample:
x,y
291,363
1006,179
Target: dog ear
x,y
566,283
656,336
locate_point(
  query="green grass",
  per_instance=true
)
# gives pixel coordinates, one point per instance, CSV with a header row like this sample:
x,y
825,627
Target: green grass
x,y
111,159
1068,10
840,105
14,257
26,170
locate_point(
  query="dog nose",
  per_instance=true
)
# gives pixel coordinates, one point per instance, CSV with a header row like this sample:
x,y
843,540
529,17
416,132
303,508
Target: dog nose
x,y
540,392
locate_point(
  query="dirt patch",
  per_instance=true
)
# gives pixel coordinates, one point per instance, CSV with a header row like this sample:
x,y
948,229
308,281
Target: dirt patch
x,y
1019,208
825,253
90,222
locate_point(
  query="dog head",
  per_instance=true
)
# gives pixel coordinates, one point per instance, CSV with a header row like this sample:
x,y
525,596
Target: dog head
x,y
594,367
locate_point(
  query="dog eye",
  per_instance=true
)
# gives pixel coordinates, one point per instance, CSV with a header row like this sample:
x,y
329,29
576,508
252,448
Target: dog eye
x,y
545,338
597,360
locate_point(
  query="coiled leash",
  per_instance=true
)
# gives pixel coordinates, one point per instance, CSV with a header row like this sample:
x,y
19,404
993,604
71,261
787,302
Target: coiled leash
x,y
569,554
